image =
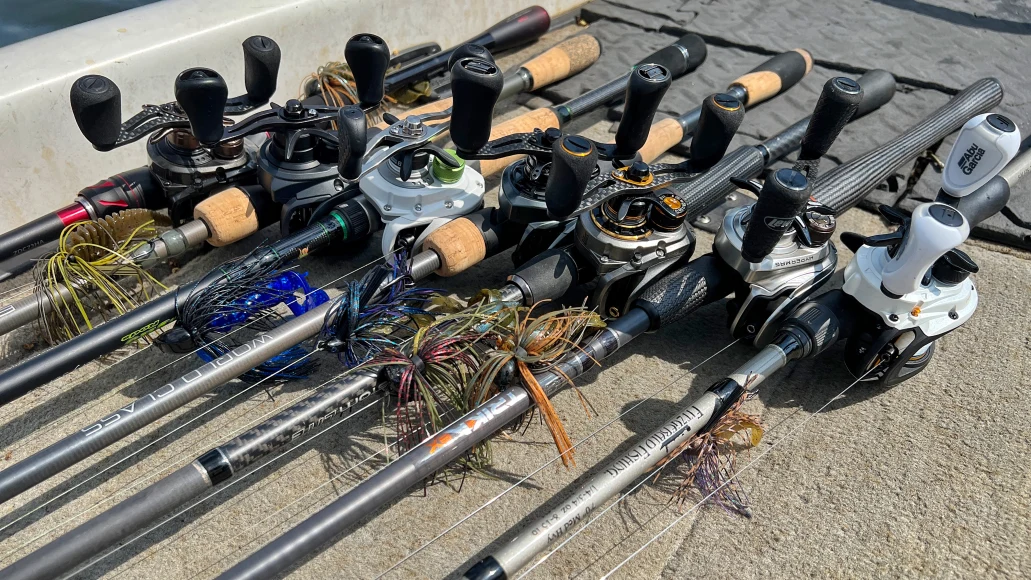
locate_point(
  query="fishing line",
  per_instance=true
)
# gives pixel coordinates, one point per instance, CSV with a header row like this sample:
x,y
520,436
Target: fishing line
x,y
558,457
219,405
192,352
747,466
218,491
115,464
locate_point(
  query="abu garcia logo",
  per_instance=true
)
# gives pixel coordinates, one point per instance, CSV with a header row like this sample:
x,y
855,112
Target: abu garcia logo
x,y
970,158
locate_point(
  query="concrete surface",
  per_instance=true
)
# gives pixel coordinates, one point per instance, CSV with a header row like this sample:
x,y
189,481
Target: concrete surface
x,y
929,479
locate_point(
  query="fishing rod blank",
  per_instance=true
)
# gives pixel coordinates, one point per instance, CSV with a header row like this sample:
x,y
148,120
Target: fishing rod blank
x,y
707,280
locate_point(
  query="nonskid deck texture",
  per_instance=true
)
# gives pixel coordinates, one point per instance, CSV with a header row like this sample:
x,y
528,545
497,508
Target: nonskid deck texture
x,y
927,479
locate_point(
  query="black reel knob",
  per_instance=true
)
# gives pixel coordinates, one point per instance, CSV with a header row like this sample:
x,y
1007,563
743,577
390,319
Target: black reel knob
x,y
469,50
644,91
720,118
783,197
475,88
261,57
838,102
97,107
368,57
202,95
351,134
573,159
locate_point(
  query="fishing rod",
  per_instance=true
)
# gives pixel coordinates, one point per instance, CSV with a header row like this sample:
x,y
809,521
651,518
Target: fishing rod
x,y
800,335
349,214
902,292
681,57
450,253
643,95
237,212
713,128
565,59
181,170
769,79
705,281
520,28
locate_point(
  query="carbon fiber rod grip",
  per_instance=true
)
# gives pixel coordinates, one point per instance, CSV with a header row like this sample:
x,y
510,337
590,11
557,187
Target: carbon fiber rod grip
x,y
843,187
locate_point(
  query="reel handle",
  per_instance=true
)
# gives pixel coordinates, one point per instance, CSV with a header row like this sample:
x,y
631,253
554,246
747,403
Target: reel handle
x,y
202,95
783,197
368,57
838,101
97,107
934,229
261,58
351,136
468,50
645,88
720,117
984,146
475,88
573,160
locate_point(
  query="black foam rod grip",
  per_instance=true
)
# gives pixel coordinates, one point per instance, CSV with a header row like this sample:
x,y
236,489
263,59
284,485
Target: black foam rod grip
x,y
681,57
838,102
368,57
684,290
573,159
469,50
719,119
783,197
97,108
352,131
878,89
645,88
261,56
202,94
475,87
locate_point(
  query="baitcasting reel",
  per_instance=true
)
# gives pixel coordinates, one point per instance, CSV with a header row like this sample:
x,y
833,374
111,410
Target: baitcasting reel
x,y
185,165
914,283
630,227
